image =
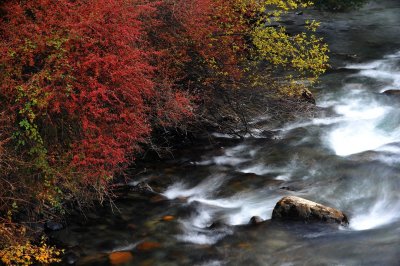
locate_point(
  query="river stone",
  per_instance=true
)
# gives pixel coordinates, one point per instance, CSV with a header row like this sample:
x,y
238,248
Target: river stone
x,y
143,187
307,96
395,93
255,220
299,209
120,257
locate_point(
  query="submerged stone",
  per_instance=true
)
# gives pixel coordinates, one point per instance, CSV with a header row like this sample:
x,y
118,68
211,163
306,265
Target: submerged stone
x,y
118,258
168,218
299,209
147,245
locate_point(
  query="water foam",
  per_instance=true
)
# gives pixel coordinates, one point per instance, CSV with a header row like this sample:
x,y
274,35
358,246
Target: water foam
x,y
365,124
202,190
234,210
381,213
360,134
385,209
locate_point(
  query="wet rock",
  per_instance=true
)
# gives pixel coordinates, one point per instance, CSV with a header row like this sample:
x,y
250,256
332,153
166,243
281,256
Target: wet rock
x,y
182,199
346,56
220,224
308,96
268,134
147,245
392,93
288,188
255,220
299,209
53,226
118,258
288,22
366,156
158,198
168,218
143,187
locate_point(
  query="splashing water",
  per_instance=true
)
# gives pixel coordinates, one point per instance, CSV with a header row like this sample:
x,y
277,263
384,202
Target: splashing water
x,y
365,123
381,213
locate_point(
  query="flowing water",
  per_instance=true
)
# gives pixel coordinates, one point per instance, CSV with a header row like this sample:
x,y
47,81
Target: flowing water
x,y
347,158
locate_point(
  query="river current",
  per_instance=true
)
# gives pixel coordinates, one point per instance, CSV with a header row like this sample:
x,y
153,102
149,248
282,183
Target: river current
x,y
347,157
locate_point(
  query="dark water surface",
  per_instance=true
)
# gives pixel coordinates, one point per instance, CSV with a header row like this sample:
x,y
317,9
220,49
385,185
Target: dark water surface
x,y
348,160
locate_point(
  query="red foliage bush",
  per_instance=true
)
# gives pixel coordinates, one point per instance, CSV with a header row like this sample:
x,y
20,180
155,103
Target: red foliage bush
x,y
204,34
81,74
86,82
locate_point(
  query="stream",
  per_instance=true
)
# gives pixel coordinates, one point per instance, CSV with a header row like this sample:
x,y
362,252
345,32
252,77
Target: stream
x,y
347,157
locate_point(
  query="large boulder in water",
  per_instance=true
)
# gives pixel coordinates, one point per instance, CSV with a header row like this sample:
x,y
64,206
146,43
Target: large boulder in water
x,y
299,209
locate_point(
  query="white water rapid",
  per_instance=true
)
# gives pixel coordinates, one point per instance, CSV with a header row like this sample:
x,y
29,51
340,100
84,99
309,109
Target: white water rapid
x,y
364,120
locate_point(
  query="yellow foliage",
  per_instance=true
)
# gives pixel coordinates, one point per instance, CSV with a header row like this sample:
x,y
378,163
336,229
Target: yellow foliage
x,y
302,56
29,254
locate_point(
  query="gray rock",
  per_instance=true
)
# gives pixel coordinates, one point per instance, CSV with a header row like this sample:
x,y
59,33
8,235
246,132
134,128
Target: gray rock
x,y
299,209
